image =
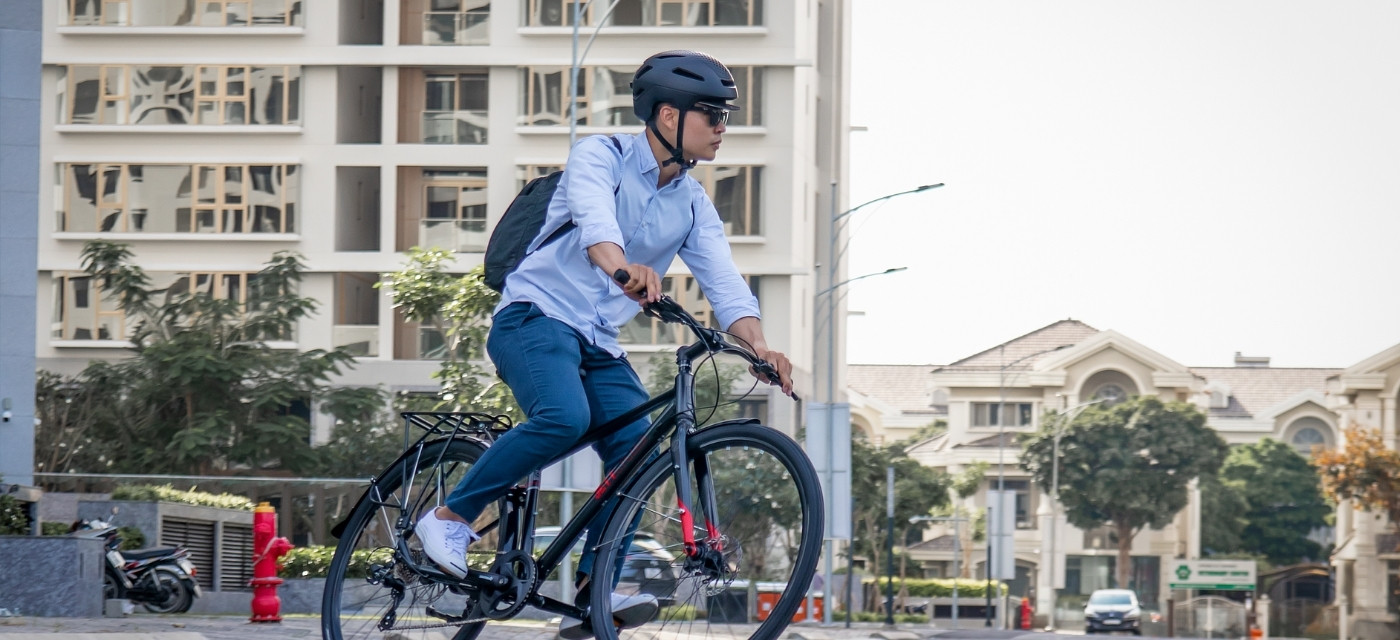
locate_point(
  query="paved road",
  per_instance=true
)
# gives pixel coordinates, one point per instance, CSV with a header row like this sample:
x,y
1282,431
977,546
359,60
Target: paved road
x,y
298,627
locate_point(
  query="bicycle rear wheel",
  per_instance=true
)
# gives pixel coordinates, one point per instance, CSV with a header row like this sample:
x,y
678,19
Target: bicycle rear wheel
x,y
766,540
367,571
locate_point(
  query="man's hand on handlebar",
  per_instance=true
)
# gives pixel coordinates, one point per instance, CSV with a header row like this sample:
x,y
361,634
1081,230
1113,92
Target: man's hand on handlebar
x,y
780,363
642,284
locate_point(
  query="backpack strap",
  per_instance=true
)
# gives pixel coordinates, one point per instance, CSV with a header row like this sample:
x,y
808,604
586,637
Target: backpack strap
x,y
569,224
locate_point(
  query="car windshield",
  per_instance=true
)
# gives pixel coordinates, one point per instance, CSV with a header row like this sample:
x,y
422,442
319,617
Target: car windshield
x,y
1110,598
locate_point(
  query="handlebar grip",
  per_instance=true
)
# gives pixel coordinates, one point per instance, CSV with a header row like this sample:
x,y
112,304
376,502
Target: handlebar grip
x,y
621,276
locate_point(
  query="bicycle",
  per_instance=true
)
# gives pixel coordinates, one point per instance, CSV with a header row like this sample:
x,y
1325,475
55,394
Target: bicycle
x,y
756,495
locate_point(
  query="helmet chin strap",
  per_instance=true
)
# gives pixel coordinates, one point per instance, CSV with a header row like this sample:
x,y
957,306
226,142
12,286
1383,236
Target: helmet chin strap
x,y
677,151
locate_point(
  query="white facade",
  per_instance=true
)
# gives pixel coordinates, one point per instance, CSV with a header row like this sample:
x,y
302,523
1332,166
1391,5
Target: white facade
x,y
210,139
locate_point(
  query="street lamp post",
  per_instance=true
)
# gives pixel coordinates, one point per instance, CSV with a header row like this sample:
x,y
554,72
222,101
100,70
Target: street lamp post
x,y
1064,420
577,60
994,525
833,259
957,556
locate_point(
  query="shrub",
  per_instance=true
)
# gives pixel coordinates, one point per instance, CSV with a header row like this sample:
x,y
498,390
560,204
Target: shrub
x,y
167,493
54,528
940,588
132,538
13,522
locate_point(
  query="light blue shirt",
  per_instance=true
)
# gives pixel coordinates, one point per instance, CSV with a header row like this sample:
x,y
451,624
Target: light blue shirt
x,y
652,225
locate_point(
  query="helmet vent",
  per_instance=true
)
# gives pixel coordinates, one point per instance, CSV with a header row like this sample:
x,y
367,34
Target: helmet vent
x,y
680,71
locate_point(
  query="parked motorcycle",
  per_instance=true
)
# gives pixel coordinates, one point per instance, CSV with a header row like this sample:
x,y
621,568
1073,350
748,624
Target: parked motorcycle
x,y
161,579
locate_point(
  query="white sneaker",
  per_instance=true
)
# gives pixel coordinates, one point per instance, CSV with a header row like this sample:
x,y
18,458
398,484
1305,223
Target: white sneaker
x,y
628,611
445,542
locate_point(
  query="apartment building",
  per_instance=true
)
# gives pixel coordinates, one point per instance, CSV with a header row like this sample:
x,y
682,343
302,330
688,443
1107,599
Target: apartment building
x,y
210,134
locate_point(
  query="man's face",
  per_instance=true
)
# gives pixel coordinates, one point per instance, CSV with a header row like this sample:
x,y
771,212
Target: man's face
x,y
704,129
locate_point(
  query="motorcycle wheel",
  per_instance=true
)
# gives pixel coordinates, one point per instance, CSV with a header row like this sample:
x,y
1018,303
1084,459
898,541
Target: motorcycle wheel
x,y
177,596
110,589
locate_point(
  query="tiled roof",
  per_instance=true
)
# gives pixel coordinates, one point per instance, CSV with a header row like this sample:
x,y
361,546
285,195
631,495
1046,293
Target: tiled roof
x,y
1257,389
906,387
941,543
1026,349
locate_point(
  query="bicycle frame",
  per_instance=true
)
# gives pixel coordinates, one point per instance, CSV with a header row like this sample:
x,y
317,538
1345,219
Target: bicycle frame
x,y
677,420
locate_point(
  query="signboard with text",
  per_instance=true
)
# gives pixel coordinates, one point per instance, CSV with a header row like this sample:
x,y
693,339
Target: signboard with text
x,y
1226,575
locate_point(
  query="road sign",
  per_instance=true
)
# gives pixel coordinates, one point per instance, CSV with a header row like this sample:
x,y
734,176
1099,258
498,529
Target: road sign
x,y
1225,575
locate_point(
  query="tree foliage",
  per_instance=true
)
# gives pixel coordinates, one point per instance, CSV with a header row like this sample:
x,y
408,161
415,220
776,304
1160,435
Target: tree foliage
x,y
1127,465
205,389
459,308
1282,500
1364,471
918,491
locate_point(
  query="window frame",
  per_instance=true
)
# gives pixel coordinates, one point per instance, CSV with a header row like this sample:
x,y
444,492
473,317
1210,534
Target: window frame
x,y
533,9
62,283
289,107
248,209
461,184
532,79
1026,409
290,18
456,81
751,201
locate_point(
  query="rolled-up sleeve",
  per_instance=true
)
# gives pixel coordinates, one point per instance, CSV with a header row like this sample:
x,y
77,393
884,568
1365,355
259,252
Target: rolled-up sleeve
x,y
590,183
706,252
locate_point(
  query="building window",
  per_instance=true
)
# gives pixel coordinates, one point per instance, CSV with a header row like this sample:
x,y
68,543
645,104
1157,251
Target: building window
x,y
605,96
1110,394
1022,490
1309,434
83,312
735,191
525,173
648,13
455,108
454,215
181,95
184,13
685,290
205,198
989,414
457,22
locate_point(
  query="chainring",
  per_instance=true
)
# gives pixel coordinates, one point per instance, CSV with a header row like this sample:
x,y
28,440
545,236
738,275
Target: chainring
x,y
503,603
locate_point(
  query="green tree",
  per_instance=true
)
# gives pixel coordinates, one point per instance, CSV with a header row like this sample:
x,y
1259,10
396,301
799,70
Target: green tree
x,y
1222,517
1126,465
203,391
918,491
1283,499
459,308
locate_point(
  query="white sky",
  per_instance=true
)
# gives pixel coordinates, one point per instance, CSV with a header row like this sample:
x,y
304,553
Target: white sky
x,y
1203,176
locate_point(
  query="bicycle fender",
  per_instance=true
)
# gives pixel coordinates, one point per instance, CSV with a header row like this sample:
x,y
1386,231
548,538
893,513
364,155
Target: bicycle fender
x,y
339,527
723,423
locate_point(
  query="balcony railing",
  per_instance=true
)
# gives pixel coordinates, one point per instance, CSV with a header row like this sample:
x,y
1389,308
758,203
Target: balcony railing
x,y
453,235
358,339
454,28
454,127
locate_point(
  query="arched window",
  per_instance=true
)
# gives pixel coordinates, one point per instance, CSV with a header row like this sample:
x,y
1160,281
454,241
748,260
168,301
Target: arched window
x,y
1110,394
1306,434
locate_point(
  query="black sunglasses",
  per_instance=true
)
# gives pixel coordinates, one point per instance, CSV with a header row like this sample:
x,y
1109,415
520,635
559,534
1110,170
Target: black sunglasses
x,y
715,114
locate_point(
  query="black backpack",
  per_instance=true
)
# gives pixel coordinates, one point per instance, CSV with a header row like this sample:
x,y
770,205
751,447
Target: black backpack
x,y
521,223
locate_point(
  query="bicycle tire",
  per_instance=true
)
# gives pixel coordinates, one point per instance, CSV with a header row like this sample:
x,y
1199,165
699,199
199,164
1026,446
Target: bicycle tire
x,y
764,490
371,530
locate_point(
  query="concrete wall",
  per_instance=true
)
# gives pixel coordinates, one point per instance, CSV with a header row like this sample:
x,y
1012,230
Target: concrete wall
x,y
20,23
61,576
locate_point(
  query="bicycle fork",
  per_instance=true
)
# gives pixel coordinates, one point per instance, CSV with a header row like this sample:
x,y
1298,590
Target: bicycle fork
x,y
706,557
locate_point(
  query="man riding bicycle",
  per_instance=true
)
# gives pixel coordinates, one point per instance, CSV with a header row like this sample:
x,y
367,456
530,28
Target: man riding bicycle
x,y
554,334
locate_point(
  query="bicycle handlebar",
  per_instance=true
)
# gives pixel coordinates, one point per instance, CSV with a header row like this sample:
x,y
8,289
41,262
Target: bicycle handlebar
x,y
667,310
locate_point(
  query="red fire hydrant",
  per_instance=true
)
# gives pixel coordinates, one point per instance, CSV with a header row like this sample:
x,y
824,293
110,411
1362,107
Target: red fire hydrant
x,y
1025,613
268,550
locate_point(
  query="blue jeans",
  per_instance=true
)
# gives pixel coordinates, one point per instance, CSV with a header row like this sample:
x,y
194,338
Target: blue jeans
x,y
567,388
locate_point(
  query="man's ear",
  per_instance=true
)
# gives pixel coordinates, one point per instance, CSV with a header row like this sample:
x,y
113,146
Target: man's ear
x,y
666,117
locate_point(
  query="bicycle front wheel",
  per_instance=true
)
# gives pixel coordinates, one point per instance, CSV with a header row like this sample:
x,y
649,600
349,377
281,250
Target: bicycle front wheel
x,y
758,555
371,593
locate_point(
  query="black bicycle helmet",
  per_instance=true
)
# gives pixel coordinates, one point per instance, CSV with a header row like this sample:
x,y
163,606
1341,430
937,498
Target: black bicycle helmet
x,y
681,79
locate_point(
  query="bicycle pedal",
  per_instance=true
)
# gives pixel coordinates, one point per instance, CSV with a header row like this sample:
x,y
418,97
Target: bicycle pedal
x,y
444,616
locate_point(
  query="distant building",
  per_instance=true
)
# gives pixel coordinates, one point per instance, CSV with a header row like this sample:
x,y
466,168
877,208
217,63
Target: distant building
x,y
1068,362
